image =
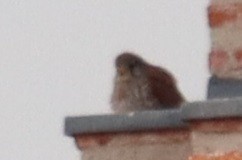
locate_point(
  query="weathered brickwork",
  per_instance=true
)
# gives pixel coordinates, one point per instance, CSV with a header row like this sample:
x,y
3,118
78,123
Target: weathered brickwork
x,y
225,21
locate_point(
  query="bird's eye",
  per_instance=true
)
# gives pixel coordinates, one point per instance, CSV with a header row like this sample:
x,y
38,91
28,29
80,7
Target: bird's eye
x,y
131,66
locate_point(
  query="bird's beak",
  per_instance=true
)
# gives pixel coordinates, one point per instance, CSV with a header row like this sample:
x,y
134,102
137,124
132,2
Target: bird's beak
x,y
121,70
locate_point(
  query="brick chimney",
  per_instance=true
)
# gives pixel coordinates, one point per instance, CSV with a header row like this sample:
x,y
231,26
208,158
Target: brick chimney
x,y
208,130
225,59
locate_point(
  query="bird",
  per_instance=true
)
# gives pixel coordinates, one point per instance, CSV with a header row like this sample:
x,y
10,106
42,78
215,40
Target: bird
x,y
140,86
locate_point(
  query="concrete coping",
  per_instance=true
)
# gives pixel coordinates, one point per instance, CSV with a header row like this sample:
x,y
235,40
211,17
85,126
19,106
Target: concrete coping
x,y
213,109
135,121
154,120
224,88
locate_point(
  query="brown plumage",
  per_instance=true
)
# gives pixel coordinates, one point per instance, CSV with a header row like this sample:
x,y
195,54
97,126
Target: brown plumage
x,y
139,85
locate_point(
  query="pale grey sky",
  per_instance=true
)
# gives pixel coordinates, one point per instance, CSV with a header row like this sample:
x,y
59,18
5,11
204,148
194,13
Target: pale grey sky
x,y
56,60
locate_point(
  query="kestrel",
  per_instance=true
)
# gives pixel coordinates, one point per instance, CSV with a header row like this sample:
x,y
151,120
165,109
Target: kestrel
x,y
139,85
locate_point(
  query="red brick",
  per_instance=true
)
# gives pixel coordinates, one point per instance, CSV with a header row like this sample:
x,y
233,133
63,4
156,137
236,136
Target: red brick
x,y
218,125
102,139
238,57
220,14
85,141
235,155
218,59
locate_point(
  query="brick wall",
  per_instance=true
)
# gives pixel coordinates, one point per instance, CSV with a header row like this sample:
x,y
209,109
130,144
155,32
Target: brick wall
x,y
148,145
218,156
216,139
210,130
202,139
225,20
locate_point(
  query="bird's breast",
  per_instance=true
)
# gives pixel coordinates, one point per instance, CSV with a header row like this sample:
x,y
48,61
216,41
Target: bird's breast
x,y
132,95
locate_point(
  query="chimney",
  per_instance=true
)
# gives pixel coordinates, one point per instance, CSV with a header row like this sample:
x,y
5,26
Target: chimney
x,y
207,130
225,58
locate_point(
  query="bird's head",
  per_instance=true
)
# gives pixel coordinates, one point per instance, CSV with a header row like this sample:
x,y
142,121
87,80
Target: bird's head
x,y
129,64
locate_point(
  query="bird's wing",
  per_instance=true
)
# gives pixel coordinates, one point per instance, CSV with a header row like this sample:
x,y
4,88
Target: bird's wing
x,y
163,87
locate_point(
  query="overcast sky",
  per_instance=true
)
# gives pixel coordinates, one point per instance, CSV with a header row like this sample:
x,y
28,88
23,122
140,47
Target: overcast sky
x,y
56,60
